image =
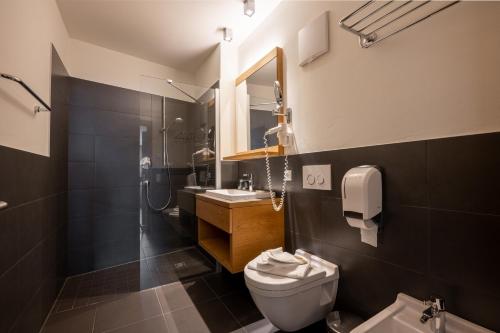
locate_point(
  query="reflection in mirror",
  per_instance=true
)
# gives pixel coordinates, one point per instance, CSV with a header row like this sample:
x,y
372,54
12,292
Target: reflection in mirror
x,y
262,102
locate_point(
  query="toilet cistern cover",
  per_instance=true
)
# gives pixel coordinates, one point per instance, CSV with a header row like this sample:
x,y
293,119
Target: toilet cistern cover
x,y
321,270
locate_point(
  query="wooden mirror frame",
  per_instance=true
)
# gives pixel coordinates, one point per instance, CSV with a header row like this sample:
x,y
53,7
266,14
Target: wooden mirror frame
x,y
276,53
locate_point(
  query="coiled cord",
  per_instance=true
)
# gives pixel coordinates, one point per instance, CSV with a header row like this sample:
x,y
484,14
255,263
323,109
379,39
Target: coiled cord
x,y
276,207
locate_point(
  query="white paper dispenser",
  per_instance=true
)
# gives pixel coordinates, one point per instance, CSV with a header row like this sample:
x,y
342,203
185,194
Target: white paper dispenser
x,y
362,200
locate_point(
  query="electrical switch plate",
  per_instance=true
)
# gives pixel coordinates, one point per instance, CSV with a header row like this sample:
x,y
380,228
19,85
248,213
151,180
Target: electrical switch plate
x,y
317,177
288,175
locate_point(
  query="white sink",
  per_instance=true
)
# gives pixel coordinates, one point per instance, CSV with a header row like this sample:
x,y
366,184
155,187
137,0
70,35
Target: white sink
x,y
403,316
235,195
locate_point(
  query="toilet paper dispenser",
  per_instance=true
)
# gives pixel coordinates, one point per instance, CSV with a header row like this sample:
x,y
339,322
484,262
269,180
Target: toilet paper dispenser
x,y
362,200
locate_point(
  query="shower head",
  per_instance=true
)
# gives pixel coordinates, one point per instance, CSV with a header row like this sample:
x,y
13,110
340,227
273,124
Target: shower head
x,y
177,120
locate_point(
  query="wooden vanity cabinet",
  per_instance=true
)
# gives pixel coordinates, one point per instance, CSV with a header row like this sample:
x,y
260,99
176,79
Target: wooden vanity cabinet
x,y
235,232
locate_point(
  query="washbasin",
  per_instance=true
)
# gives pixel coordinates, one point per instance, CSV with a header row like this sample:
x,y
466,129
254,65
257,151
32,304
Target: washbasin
x,y
235,195
198,189
403,316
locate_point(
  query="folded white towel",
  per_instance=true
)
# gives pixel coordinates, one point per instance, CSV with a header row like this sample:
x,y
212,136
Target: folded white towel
x,y
277,262
285,257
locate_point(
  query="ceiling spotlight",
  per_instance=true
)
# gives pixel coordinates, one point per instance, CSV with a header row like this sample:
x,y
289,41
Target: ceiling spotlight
x,y
249,7
228,34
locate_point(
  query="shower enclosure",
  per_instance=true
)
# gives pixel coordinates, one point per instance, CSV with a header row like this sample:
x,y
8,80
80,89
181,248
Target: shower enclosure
x,y
177,150
124,146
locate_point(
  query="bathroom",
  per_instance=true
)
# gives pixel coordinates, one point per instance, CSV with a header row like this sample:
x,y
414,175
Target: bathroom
x,y
249,166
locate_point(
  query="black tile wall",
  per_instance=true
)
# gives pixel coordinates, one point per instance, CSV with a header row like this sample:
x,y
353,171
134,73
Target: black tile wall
x,y
441,224
105,196
33,227
103,165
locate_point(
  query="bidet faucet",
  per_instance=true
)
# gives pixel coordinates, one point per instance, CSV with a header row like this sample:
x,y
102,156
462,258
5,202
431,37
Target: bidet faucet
x,y
436,313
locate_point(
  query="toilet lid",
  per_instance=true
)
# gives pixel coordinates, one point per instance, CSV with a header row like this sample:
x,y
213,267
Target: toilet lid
x,y
267,281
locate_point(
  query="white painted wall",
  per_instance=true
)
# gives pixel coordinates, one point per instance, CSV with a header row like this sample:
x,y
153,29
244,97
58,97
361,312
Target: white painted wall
x,y
228,73
440,78
27,30
209,71
95,63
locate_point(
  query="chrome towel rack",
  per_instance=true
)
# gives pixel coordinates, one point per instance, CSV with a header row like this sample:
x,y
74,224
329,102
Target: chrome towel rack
x,y
37,109
376,18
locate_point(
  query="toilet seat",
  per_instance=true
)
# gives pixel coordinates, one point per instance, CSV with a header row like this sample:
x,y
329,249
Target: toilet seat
x,y
292,304
279,286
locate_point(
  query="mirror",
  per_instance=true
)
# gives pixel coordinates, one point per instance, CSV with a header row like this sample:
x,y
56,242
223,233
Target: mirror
x,y
260,91
256,99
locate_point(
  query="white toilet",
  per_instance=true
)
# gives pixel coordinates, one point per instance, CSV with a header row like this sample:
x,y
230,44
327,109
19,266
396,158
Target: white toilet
x,y
292,304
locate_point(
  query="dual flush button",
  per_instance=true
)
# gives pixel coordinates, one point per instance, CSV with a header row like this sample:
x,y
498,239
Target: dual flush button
x,y
317,177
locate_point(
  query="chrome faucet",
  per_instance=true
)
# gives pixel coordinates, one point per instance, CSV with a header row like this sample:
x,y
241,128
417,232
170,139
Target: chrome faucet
x,y
246,183
436,313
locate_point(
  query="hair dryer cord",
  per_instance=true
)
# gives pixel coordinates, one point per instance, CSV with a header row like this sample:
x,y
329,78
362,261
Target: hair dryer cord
x,y
276,207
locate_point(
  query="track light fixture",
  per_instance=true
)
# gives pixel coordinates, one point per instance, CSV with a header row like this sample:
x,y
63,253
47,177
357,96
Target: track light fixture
x,y
249,7
228,34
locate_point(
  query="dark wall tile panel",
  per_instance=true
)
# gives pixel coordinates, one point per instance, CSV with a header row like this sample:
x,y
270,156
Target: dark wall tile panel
x,y
367,286
11,193
469,303
10,290
83,93
305,213
81,120
112,176
9,230
467,241
403,240
116,151
81,148
33,227
117,124
104,182
116,200
439,227
81,175
80,203
463,173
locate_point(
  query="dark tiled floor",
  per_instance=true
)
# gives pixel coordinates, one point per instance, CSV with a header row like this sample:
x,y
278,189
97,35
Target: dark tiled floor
x,y
176,292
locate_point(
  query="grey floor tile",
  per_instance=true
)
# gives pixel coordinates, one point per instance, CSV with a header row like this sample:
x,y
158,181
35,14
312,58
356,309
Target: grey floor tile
x,y
153,325
242,307
225,283
173,297
198,290
261,326
74,321
217,317
186,320
132,308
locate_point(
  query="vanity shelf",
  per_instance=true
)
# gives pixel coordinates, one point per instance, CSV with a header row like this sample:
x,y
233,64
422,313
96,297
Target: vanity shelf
x,y
235,232
256,153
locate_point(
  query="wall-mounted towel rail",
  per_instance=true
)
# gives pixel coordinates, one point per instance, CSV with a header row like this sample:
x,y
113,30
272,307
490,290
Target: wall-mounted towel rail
x,y
383,16
46,107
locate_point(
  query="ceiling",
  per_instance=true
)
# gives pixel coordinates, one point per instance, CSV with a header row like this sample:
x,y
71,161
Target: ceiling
x,y
174,33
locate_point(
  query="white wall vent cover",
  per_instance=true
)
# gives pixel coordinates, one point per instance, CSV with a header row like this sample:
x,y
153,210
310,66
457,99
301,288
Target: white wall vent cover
x,y
314,39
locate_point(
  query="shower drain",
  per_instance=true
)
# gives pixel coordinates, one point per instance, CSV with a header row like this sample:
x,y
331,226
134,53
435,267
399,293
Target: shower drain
x,y
180,265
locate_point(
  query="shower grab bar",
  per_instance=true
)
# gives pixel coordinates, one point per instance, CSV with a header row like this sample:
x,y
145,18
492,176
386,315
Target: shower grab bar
x,y
367,39
3,205
28,89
